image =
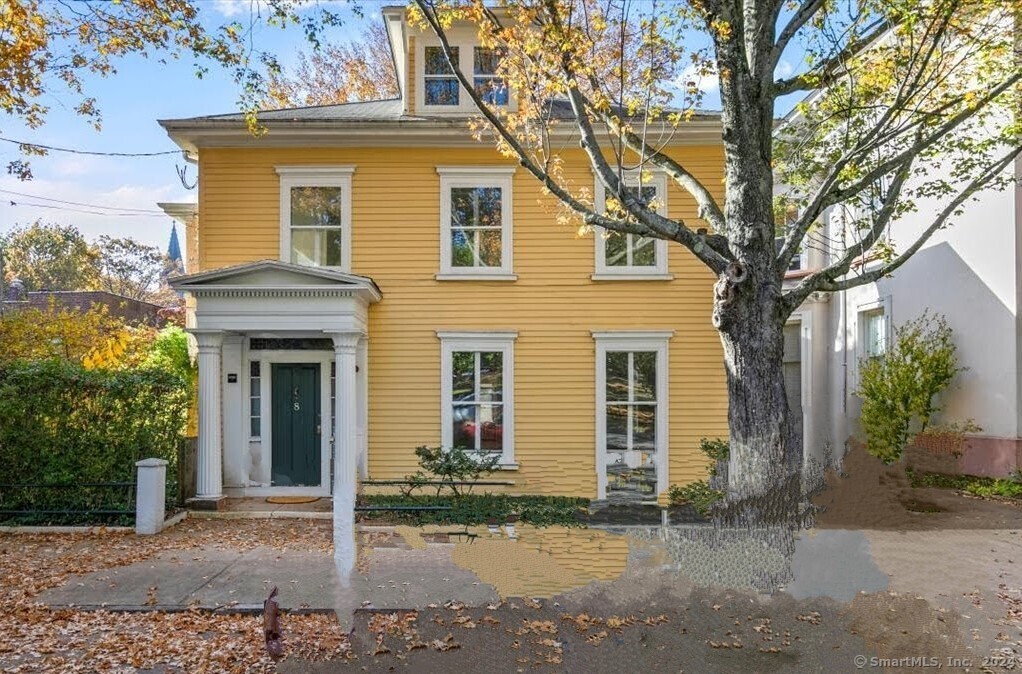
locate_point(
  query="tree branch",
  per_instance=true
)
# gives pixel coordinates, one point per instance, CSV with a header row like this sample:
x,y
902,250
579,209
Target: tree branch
x,y
803,14
589,216
828,194
823,280
798,294
829,71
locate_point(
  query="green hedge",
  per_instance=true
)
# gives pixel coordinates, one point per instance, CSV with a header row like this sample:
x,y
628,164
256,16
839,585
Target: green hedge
x,y
63,424
471,509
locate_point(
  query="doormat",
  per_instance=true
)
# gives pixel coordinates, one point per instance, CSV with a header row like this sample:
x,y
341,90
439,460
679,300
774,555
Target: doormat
x,y
291,500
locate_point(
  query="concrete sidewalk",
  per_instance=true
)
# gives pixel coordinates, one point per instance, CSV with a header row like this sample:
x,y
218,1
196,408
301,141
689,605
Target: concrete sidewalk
x,y
392,576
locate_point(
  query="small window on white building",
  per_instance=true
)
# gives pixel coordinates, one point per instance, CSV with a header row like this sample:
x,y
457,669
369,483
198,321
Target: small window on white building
x,y
477,392
315,216
440,85
874,332
475,221
630,255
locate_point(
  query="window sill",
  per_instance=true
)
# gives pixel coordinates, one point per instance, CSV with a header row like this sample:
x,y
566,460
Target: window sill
x,y
476,277
656,276
507,466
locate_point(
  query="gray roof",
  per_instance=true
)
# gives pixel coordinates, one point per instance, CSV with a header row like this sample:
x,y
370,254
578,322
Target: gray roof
x,y
390,110
371,111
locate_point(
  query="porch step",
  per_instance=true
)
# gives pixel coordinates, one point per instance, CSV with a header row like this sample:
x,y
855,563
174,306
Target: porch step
x,y
259,515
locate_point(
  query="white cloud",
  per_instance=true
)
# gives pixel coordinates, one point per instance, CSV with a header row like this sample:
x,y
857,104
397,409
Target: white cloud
x,y
231,8
784,69
708,84
152,228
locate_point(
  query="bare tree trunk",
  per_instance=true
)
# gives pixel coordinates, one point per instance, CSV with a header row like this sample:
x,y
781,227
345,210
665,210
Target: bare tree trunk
x,y
764,450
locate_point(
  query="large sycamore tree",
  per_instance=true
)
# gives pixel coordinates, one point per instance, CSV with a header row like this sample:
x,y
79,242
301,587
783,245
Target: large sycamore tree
x,y
910,106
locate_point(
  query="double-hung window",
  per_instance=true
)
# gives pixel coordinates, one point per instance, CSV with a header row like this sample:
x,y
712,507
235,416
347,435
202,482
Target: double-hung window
x,y
632,256
440,86
315,215
475,222
477,391
874,333
490,87
631,415
874,330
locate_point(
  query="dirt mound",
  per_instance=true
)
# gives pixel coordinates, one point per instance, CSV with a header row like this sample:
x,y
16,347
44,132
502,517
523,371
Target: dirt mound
x,y
870,494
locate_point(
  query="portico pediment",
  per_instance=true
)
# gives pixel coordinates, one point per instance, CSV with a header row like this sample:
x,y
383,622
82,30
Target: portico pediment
x,y
268,278
279,297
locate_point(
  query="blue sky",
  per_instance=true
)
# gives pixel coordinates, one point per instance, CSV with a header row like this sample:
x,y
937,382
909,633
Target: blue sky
x,y
131,101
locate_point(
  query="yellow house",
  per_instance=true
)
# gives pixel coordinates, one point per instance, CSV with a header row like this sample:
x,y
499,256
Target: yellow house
x,y
368,278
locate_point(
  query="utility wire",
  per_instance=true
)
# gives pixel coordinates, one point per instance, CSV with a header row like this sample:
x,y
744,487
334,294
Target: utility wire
x,y
80,203
82,210
89,152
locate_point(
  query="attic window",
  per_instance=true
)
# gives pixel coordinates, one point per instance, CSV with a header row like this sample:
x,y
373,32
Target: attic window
x,y
491,88
440,86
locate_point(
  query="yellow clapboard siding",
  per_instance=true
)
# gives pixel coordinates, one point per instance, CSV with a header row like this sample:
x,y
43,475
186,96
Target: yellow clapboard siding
x,y
554,304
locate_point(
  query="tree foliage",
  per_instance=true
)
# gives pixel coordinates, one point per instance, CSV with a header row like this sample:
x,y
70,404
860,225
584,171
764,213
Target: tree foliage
x,y
900,388
49,257
360,70
92,338
130,268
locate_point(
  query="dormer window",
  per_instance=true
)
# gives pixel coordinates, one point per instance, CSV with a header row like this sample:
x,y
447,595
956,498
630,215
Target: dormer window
x,y
439,91
488,85
440,86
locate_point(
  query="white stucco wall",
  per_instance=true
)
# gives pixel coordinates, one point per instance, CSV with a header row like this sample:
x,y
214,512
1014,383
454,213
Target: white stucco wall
x,y
968,272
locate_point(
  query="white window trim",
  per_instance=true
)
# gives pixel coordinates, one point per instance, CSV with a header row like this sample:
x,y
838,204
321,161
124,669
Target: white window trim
x,y
883,303
804,319
630,273
479,341
632,340
477,176
315,176
466,42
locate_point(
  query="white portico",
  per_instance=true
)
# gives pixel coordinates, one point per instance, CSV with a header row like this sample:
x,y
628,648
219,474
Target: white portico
x,y
282,399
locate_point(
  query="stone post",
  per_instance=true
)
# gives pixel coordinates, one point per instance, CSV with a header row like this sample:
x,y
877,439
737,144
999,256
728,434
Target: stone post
x,y
150,497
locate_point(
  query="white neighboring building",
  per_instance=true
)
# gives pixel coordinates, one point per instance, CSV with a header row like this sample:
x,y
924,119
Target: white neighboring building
x,y
970,273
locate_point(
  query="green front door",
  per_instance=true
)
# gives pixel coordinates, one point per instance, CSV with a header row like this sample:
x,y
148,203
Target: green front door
x,y
295,419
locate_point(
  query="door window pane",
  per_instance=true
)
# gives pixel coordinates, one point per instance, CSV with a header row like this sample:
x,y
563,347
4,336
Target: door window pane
x,y
617,427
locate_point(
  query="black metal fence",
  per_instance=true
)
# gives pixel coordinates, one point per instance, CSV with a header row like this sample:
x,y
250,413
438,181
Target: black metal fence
x,y
89,503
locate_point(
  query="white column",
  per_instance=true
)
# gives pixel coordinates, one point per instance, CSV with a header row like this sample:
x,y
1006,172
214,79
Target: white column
x,y
345,451
150,496
209,472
